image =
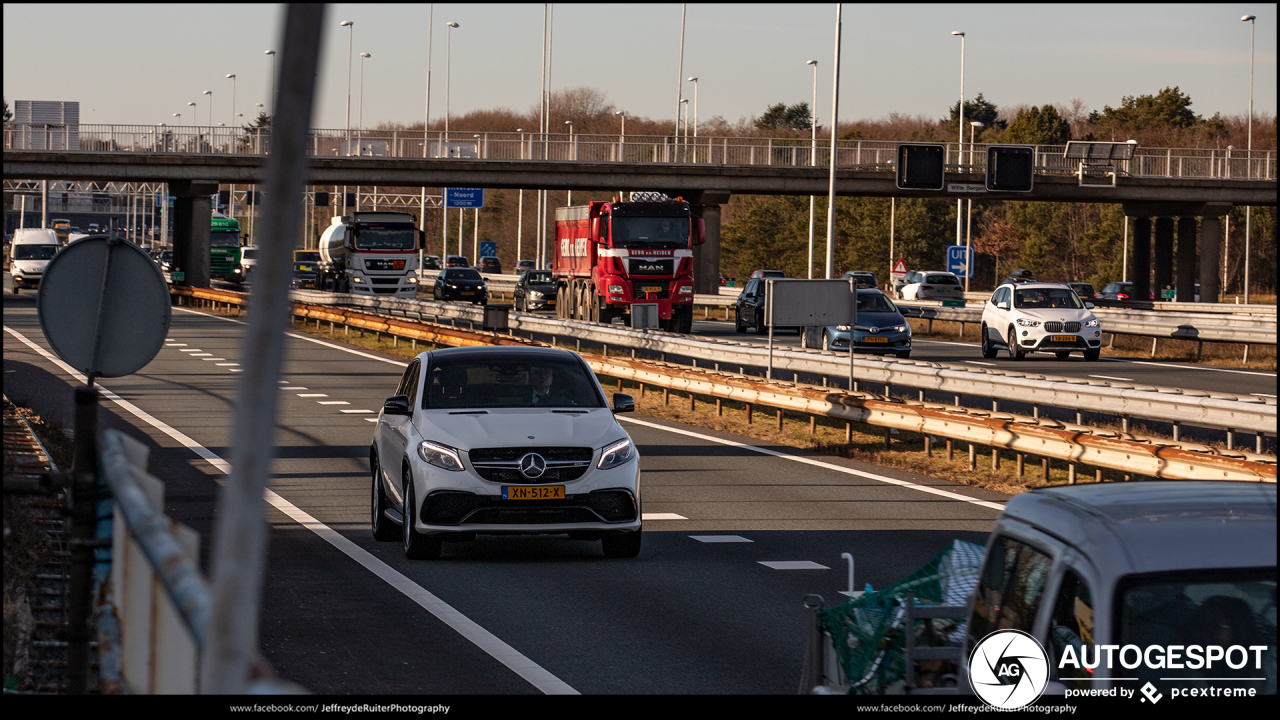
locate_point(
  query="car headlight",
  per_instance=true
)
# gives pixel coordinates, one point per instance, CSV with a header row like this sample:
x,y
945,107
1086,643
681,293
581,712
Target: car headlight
x,y
1028,323
357,279
1093,323
615,288
451,286
411,280
442,456
535,294
686,289
901,328
616,454
236,270
842,328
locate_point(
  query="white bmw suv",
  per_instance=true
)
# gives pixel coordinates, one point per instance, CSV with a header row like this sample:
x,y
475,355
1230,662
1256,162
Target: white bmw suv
x,y
1039,317
503,440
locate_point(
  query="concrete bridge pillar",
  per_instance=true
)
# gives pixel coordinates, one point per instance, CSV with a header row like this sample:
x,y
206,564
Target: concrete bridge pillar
x,y
1163,255
706,257
192,210
1211,251
1186,259
1140,270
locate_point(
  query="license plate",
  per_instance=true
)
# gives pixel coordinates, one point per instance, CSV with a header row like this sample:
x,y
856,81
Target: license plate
x,y
876,340
651,288
1064,338
537,492
467,292
551,302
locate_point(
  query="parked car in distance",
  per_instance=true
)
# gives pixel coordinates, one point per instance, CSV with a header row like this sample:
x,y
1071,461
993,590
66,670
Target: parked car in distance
x,y
461,283
865,279
535,290
1084,290
523,265
453,453
456,261
881,329
1120,291
939,285
1039,317
1172,563
491,265
768,274
431,262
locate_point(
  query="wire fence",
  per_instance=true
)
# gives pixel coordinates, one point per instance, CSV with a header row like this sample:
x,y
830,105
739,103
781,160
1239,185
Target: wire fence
x,y
869,155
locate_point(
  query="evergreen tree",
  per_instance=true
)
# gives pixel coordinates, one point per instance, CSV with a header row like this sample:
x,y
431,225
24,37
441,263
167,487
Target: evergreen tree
x,y
1038,126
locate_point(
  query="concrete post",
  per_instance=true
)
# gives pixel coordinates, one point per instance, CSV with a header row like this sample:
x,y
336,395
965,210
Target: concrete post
x,y
1141,257
192,211
1163,255
706,257
1210,247
1186,259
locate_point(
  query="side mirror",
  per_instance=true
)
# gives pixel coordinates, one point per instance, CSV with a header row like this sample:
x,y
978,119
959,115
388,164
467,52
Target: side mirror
x,y
1088,305
623,402
1003,305
396,405
595,229
702,231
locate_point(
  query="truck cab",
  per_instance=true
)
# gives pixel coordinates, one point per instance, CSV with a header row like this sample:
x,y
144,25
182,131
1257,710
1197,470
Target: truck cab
x,y
371,253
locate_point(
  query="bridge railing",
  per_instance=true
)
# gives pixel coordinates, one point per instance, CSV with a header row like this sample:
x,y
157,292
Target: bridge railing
x,y
869,155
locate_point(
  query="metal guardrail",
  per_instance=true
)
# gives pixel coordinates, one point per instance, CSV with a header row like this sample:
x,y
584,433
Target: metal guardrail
x,y
872,155
1190,407
157,618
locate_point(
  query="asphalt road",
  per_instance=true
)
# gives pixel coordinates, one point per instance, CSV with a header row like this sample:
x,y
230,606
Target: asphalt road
x,y
687,616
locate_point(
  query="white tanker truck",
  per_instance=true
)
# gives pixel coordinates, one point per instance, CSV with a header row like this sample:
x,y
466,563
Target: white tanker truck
x,y
370,253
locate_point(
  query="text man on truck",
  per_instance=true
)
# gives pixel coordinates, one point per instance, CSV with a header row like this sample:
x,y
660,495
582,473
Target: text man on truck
x,y
371,253
610,256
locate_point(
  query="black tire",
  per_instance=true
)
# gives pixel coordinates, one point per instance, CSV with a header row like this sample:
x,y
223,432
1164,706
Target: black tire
x,y
1062,354
1092,355
416,546
624,545
760,327
1014,352
384,530
988,350
737,323
684,317
826,342
606,311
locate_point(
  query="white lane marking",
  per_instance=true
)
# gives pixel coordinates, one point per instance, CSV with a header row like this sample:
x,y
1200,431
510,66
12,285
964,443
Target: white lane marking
x,y
211,359
720,539
309,394
1109,377
333,402
293,387
819,463
190,350
199,354
296,336
235,369
662,516
792,565
535,674
1262,395
228,364
174,344
1189,367
943,342
355,411
975,362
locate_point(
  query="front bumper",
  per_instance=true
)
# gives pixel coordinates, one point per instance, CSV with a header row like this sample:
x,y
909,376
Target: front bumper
x,y
872,343
1031,339
25,280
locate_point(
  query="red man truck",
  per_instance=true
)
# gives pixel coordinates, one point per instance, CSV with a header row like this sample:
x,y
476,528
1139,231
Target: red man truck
x,y
610,256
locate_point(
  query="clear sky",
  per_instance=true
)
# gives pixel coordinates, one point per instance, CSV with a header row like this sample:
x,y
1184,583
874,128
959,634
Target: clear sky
x,y
142,63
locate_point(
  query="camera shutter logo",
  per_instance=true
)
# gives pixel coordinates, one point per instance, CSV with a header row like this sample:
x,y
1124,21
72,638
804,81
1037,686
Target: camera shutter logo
x,y
1008,669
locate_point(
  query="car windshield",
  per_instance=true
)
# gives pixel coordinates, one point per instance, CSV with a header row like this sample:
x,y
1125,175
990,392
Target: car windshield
x,y
218,238
510,382
385,236
875,302
651,232
34,252
538,277
307,256
1224,608
942,280
1045,298
249,253
462,274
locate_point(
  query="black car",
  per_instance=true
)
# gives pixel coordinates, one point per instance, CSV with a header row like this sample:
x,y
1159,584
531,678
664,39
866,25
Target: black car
x,y
535,290
1083,290
750,308
1019,276
491,265
455,283
865,279
431,262
456,261
305,276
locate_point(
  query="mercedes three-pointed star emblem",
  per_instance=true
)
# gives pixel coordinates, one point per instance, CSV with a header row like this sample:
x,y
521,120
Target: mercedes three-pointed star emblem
x,y
532,466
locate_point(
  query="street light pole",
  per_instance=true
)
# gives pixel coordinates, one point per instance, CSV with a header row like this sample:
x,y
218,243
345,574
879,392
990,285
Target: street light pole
x,y
968,215
232,78
694,80
210,94
831,187
448,72
573,155
960,144
1248,209
351,33
272,104
813,154
363,56
680,73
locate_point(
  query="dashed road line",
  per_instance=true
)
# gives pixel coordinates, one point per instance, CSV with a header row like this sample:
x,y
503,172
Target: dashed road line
x,y
662,516
308,394
333,402
793,565
1109,377
720,539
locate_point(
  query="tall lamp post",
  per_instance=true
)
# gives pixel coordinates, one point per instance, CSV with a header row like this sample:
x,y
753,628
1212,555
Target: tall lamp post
x,y
960,144
573,155
232,78
1248,209
272,99
694,80
684,104
520,211
831,181
363,56
813,154
351,33
448,70
968,214
210,94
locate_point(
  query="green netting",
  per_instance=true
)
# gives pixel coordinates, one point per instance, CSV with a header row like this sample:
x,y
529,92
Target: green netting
x,y
868,631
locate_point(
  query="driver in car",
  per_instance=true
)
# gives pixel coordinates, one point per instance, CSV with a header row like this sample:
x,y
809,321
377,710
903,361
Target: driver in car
x,y
546,392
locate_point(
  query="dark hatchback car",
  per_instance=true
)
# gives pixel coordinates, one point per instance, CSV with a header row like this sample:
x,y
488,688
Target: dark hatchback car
x,y
1120,291
305,276
455,283
535,290
456,261
865,279
750,307
1083,290
490,265
768,274
523,265
431,262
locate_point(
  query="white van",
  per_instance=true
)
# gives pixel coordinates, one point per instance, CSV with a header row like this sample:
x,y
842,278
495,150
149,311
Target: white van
x,y
31,251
